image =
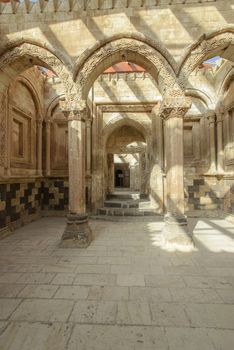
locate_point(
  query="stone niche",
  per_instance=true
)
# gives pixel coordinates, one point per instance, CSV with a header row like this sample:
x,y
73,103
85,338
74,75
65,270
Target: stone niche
x,y
22,129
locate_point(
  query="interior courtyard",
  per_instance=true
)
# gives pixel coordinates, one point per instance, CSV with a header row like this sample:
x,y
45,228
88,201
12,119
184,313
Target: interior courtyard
x,y
116,174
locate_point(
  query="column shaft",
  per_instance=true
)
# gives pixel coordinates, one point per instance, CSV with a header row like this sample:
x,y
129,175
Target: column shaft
x,y
76,129
175,231
39,147
175,168
212,144
48,127
220,142
77,233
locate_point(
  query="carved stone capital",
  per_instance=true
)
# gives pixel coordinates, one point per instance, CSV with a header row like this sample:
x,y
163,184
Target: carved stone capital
x,y
174,105
173,112
210,115
73,109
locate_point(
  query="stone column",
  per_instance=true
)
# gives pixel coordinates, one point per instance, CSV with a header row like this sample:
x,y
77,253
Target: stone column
x,y
88,146
110,173
88,159
211,119
48,133
176,226
156,176
39,147
157,125
220,153
77,233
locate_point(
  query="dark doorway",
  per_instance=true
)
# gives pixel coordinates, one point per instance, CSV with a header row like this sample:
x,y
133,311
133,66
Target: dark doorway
x,y
119,178
122,175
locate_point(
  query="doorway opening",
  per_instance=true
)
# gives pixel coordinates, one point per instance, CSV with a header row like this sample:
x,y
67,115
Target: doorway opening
x,y
122,175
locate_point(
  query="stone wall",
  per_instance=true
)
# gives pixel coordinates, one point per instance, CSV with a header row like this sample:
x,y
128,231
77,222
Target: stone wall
x,y
175,24
23,201
55,195
209,194
20,202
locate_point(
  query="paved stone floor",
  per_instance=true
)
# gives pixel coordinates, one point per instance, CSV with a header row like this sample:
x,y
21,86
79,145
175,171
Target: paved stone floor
x,y
123,292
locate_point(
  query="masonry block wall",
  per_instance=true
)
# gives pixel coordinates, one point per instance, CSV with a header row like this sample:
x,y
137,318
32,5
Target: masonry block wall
x,y
20,203
55,195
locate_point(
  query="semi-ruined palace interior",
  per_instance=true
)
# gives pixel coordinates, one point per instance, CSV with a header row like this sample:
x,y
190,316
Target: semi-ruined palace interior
x,y
116,174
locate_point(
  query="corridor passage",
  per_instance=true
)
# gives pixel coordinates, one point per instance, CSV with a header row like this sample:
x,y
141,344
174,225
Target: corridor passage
x,y
123,292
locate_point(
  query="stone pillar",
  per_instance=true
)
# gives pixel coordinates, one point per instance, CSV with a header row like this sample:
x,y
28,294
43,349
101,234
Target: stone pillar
x,y
220,153
158,136
88,160
176,226
110,173
48,133
39,147
77,233
156,176
211,119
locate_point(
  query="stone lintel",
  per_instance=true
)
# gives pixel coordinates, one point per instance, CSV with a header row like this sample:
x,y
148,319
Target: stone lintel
x,y
77,233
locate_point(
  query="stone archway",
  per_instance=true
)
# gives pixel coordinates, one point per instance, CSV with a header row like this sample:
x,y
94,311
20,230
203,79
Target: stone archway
x,y
19,56
214,43
126,47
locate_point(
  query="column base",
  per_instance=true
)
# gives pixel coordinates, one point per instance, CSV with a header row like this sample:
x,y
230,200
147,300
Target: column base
x,y
175,231
77,233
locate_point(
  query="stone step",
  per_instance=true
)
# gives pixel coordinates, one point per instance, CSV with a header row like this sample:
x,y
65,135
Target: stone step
x,y
107,211
125,196
127,204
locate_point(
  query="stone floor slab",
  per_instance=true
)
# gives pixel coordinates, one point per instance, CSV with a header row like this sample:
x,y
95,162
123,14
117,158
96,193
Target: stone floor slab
x,y
133,313
87,337
35,336
10,290
38,291
7,306
130,280
43,310
72,292
94,312
169,314
109,293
